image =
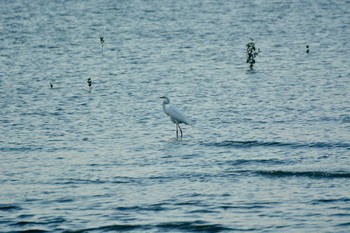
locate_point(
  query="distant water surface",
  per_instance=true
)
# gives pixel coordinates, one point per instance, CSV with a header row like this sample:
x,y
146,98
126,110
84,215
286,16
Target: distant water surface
x,y
269,150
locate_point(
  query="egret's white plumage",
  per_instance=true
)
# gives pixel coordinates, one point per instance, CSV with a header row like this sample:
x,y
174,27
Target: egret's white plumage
x,y
176,116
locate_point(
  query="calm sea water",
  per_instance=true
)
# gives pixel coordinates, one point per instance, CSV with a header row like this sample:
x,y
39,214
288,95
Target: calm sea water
x,y
269,150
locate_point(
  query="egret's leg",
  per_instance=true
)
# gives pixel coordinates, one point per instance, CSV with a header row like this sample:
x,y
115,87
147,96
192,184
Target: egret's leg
x,y
177,131
180,130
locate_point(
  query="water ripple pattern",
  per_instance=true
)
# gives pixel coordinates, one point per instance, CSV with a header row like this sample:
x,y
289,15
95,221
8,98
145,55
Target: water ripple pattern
x,y
269,150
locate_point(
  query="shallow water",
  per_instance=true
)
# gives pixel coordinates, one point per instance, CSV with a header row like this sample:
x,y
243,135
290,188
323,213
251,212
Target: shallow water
x,y
269,149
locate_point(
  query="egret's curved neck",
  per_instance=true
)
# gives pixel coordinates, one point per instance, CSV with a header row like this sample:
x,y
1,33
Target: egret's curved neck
x,y
165,102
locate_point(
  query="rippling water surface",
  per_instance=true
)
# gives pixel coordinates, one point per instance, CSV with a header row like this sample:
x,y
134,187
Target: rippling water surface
x,y
269,150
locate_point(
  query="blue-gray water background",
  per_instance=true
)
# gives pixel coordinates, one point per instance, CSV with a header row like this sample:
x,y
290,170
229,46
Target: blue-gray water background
x,y
269,150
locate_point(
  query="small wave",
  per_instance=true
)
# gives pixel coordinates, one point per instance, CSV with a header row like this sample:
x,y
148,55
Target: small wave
x,y
346,224
115,227
271,161
116,180
296,145
9,207
331,200
307,174
31,231
33,226
237,144
252,205
195,226
181,226
30,225
154,207
19,149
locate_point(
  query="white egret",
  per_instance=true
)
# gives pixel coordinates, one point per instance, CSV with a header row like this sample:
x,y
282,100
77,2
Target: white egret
x,y
175,114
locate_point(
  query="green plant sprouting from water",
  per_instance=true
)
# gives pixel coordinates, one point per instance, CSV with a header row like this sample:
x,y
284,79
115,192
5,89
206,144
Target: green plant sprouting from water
x,y
252,52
